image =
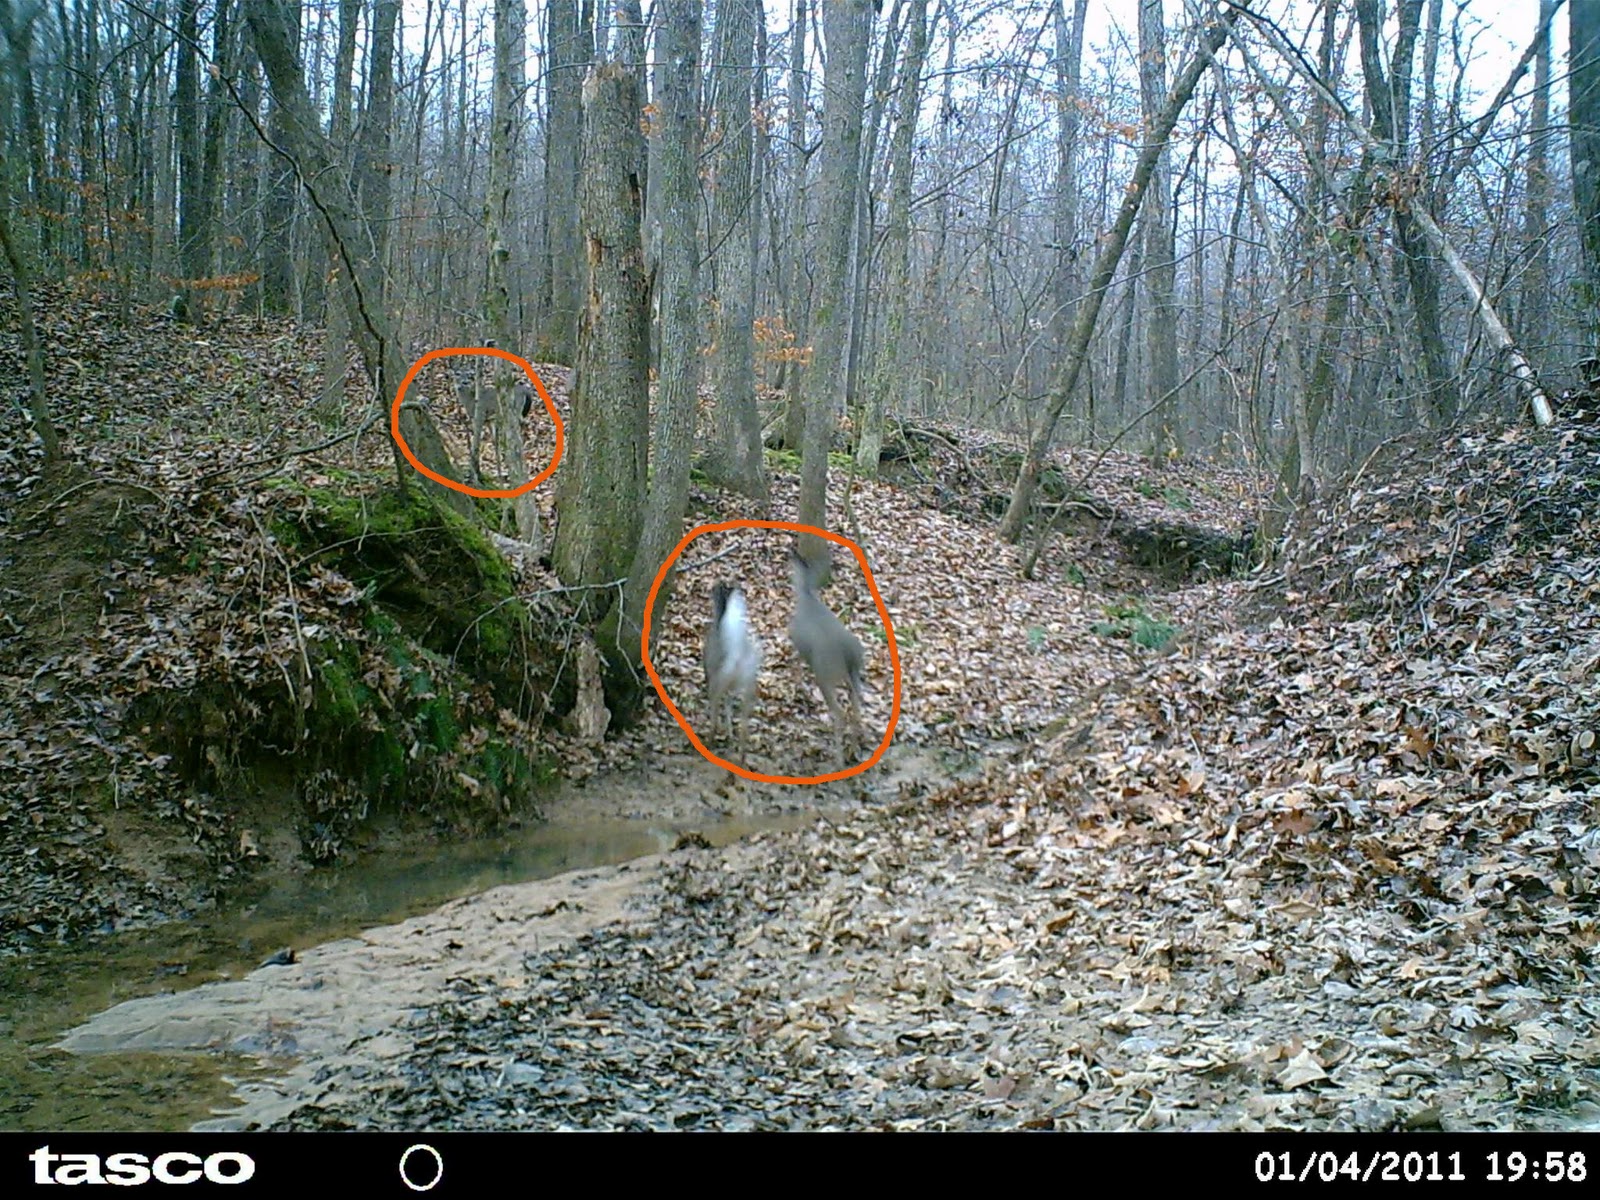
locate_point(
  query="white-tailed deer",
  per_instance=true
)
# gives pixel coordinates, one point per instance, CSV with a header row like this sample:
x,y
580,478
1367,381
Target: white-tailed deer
x,y
732,661
479,401
829,650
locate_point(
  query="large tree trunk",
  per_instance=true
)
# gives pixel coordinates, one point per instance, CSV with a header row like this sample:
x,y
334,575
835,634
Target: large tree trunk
x,y
336,331
1077,350
510,48
17,23
1160,246
1069,74
847,25
277,215
864,228
1534,309
191,194
796,289
1583,115
38,408
600,491
218,106
567,52
891,379
677,397
735,457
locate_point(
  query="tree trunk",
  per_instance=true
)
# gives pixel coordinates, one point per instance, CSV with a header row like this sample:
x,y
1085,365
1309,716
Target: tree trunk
x,y
796,292
1583,116
510,48
735,458
847,25
567,54
1536,212
677,397
1389,101
890,382
218,106
600,490
1161,328
336,331
38,408
1069,76
863,230
17,23
191,193
277,248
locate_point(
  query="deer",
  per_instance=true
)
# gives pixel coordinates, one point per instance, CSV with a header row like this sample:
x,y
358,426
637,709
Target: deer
x,y
481,406
829,650
732,656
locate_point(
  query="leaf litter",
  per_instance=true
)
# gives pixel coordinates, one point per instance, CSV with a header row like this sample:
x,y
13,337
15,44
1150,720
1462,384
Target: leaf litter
x,y
1327,859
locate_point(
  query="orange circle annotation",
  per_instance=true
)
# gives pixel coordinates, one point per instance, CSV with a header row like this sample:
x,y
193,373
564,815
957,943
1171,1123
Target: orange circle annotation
x,y
538,386
883,612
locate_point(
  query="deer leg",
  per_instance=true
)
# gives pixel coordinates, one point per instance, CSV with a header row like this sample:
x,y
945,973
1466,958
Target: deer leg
x,y
836,724
476,449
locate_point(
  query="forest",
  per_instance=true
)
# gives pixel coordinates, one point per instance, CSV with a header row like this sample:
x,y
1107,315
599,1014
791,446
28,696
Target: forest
x,y
800,565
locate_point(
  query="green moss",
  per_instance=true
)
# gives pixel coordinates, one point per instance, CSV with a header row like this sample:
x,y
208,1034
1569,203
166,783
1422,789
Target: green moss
x,y
439,727
341,699
385,761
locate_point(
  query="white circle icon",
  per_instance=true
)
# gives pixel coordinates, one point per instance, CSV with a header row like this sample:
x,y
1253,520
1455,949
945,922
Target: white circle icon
x,y
438,1168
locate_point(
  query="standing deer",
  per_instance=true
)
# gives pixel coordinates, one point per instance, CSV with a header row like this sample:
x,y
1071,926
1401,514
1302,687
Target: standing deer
x,y
479,401
829,650
732,656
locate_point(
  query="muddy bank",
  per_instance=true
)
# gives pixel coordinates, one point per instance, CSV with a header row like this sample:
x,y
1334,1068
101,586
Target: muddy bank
x,y
343,1002
273,1031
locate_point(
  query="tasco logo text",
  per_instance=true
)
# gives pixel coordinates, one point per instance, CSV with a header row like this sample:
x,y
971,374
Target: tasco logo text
x,y
132,1170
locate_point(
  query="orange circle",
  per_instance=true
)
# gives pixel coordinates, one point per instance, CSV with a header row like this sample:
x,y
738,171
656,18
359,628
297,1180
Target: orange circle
x,y
538,386
883,612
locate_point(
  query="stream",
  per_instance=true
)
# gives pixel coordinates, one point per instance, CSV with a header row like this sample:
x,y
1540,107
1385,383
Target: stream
x,y
49,992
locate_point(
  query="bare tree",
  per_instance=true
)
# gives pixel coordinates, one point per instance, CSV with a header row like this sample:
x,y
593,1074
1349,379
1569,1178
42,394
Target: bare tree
x,y
735,457
600,493
1583,115
568,52
1077,350
1160,248
672,430
893,373
847,25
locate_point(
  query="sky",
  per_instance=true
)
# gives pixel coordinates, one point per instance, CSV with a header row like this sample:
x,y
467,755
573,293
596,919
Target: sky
x,y
1494,32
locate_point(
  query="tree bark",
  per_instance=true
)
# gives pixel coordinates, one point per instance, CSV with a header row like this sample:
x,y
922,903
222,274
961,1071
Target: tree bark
x,y
38,408
890,381
796,290
600,491
1536,212
191,193
735,458
277,250
1160,244
1389,101
1583,115
336,331
677,397
847,25
567,51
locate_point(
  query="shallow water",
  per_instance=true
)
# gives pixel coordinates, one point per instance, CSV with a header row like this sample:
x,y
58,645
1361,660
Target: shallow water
x,y
45,993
